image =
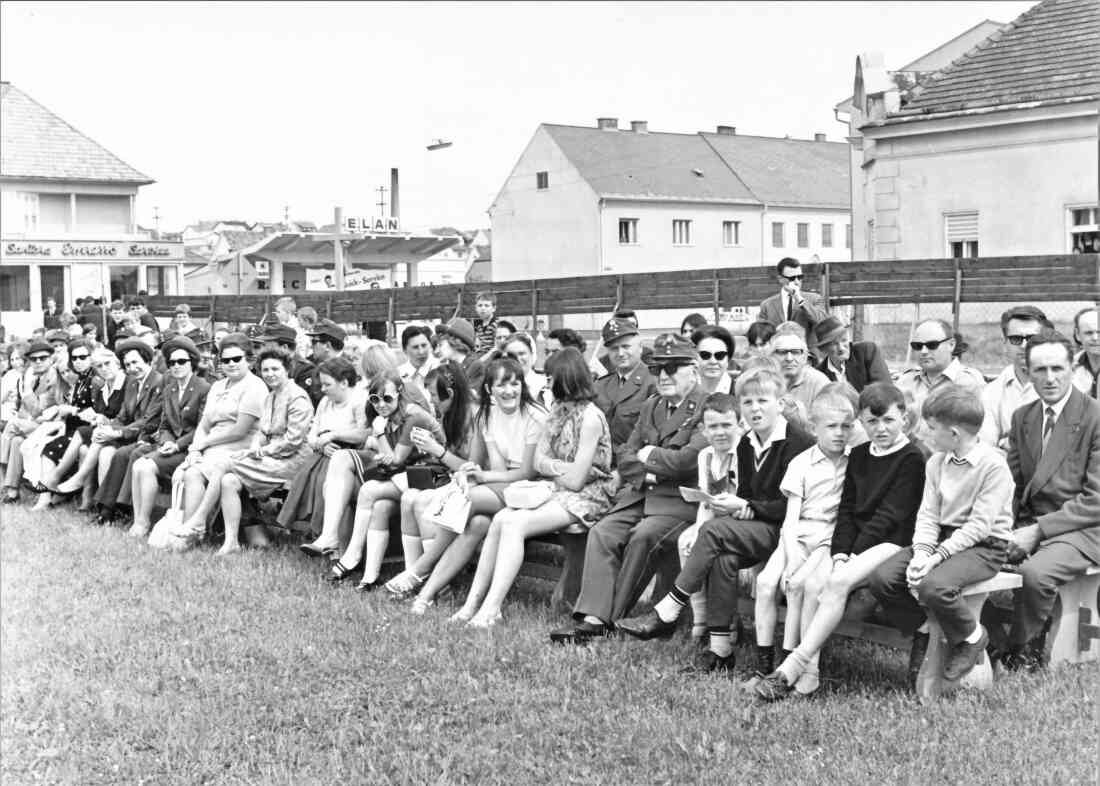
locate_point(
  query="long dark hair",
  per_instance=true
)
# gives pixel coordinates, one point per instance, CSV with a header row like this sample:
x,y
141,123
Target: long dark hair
x,y
501,369
450,384
571,379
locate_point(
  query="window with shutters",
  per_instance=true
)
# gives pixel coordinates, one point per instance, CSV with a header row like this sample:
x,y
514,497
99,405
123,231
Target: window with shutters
x,y
826,235
961,230
1084,230
681,232
803,235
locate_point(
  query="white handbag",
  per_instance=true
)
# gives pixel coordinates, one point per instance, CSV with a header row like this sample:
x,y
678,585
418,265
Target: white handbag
x,y
449,508
528,494
170,532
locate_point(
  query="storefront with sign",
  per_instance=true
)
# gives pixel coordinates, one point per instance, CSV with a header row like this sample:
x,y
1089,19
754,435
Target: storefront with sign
x,y
32,271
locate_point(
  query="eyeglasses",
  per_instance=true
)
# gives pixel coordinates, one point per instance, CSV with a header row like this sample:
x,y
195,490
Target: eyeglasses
x,y
1017,340
932,346
790,353
80,357
669,368
232,358
375,399
795,277
179,362
39,358
704,355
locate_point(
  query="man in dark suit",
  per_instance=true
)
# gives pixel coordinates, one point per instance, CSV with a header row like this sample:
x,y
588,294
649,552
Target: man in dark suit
x,y
139,419
859,363
791,304
621,393
1054,455
648,514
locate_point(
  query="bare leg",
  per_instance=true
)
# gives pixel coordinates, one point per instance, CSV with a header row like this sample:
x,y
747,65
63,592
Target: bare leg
x,y
767,596
106,453
84,470
796,598
366,533
68,460
412,546
231,513
339,486
144,483
483,504
483,576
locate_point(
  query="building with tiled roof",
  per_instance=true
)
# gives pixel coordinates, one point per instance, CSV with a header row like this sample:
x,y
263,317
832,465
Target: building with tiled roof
x,y
994,153
585,200
68,224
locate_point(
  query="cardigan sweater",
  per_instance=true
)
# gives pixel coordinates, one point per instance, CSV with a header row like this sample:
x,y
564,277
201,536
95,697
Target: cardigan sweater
x,y
880,500
760,487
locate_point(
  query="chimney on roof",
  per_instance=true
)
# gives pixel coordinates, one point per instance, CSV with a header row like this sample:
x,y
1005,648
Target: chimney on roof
x,y
639,126
819,137
727,130
607,123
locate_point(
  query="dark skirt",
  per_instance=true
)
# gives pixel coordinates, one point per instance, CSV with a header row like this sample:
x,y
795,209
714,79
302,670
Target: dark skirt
x,y
304,508
56,447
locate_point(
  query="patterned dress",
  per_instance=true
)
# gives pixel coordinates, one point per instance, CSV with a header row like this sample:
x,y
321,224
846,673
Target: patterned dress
x,y
560,440
285,421
81,394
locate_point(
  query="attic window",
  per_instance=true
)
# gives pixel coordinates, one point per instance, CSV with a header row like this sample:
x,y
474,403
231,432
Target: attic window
x,y
542,180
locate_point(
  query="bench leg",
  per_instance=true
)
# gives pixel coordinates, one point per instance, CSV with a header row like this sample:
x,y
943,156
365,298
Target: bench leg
x,y
930,682
1075,629
569,584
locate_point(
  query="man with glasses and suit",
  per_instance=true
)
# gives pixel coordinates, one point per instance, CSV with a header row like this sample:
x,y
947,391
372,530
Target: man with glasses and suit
x,y
791,304
1012,388
1054,455
933,343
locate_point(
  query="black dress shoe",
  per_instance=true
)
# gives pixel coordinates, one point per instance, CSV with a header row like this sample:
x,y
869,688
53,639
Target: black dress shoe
x,y
579,633
964,656
708,661
648,626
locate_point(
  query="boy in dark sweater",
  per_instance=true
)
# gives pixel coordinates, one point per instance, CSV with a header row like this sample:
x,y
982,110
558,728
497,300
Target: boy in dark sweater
x,y
878,508
746,530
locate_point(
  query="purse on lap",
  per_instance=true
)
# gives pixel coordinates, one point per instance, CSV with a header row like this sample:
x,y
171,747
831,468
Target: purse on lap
x,y
528,494
449,508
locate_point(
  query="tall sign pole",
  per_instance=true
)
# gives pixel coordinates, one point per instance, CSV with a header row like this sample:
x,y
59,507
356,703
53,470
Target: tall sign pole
x,y
338,250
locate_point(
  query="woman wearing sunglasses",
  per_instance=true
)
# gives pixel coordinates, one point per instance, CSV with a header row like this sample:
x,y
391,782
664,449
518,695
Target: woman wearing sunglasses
x,y
37,393
715,347
230,418
574,452
507,427
278,449
393,416
339,423
78,393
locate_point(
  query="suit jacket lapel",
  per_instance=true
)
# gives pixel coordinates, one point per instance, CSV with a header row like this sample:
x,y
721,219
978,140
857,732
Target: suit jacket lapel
x,y
1061,440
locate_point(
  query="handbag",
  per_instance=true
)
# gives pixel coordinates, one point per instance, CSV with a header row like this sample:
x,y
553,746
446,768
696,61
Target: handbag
x,y
426,477
449,508
528,494
170,532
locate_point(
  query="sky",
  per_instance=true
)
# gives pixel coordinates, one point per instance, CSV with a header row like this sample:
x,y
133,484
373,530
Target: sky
x,y
243,110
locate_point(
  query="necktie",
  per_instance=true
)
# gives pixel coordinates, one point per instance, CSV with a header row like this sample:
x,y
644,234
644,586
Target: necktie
x,y
622,381
1048,426
790,308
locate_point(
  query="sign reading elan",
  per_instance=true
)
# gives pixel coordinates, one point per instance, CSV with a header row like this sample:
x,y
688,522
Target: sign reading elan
x,y
371,226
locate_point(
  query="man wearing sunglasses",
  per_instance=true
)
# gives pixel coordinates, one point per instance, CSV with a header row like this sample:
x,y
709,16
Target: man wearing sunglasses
x,y
791,304
36,392
626,547
1012,388
933,346
621,393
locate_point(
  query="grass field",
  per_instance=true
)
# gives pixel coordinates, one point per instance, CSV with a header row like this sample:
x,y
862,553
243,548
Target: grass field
x,y
126,666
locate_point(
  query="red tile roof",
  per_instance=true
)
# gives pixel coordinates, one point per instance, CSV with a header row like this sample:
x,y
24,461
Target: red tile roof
x,y
1049,54
37,144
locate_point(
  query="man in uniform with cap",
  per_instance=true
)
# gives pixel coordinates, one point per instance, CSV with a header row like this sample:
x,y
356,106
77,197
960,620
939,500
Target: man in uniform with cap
x,y
648,514
1012,388
622,392
328,342
859,363
301,371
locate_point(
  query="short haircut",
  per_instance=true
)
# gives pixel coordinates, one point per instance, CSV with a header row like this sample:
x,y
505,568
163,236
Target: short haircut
x,y
117,305
486,297
760,333
102,355
713,331
504,323
1081,313
144,351
288,302
879,397
760,379
1048,337
720,402
693,321
835,397
340,369
135,300
786,262
790,329
1026,313
412,331
570,377
952,405
307,315
568,337
948,331
274,352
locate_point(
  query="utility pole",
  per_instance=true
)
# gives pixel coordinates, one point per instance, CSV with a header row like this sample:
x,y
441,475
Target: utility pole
x,y
286,216
156,223
381,203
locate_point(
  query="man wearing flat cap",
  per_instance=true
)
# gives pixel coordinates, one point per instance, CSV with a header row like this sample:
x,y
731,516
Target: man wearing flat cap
x,y
622,392
648,515
857,363
301,371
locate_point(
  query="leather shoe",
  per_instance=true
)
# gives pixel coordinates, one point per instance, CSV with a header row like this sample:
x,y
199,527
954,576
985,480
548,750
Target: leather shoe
x,y
648,626
964,656
709,661
579,633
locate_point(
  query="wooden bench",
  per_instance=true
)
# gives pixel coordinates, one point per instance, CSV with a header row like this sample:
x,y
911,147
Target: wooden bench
x,y
1075,623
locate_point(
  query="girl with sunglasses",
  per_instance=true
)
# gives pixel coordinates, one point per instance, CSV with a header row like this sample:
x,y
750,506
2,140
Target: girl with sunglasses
x,y
507,427
393,416
339,423
230,418
574,452
715,347
78,394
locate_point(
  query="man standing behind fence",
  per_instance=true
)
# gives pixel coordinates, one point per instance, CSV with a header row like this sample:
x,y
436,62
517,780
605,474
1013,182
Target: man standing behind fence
x,y
1012,388
792,304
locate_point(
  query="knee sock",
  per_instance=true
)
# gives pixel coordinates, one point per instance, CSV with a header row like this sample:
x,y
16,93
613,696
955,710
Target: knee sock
x,y
412,547
425,543
377,541
698,614
765,658
669,607
793,666
976,636
721,643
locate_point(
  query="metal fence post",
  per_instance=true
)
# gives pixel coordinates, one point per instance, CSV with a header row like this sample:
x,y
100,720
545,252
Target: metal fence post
x,y
956,303
714,295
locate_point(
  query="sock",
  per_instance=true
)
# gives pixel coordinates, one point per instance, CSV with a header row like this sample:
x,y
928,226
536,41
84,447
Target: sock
x,y
720,642
669,607
593,620
976,636
425,543
923,628
377,541
412,547
793,666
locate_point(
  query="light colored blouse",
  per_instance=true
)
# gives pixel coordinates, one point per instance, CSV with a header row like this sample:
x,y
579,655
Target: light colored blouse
x,y
228,401
348,416
511,434
288,414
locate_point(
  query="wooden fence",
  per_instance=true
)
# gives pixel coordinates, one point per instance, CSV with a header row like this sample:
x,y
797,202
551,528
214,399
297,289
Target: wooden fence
x,y
1020,279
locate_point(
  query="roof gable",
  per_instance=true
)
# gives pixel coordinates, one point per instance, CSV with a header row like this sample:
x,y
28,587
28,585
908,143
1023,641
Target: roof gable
x,y
1048,55
37,144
